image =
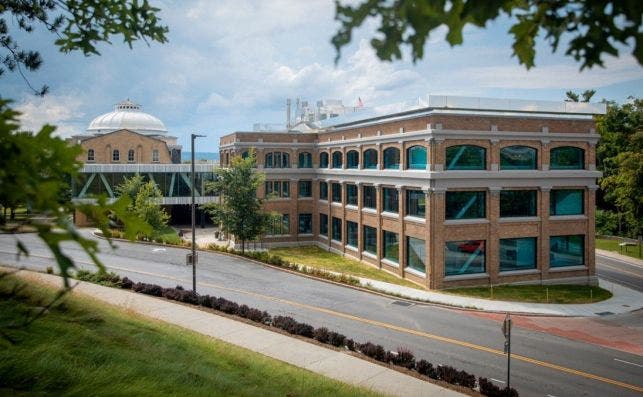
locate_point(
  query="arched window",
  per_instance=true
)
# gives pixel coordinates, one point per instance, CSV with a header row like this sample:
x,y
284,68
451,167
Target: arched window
x,y
567,158
370,159
244,154
155,156
285,160
305,160
268,161
416,158
91,155
466,157
323,160
130,155
277,160
518,158
392,158
116,155
352,159
337,159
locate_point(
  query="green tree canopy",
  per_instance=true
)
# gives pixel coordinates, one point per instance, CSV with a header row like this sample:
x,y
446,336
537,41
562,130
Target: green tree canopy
x,y
240,212
145,201
594,28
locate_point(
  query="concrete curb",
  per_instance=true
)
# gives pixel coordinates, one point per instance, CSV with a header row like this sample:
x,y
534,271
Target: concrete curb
x,y
620,257
312,357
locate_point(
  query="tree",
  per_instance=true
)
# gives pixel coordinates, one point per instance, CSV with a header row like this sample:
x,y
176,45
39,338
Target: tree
x,y
240,212
587,95
594,27
145,202
619,156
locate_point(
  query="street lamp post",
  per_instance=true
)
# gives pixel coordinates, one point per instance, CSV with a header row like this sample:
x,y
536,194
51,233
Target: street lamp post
x,y
193,258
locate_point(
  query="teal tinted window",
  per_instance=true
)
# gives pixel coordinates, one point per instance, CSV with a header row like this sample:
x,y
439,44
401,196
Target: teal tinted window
x,y
351,234
337,193
370,159
566,251
337,229
323,160
465,205
352,159
370,197
305,160
517,203
518,158
279,224
391,246
416,158
415,203
323,191
415,254
391,203
351,194
566,202
337,159
464,257
392,158
466,157
305,223
323,224
370,240
305,188
567,158
517,254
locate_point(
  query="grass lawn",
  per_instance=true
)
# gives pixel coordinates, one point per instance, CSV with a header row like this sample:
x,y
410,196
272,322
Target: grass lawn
x,y
537,293
612,245
168,235
316,257
82,347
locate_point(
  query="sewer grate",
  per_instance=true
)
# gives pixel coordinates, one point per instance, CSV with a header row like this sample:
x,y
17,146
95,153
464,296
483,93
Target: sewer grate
x,y
604,313
402,303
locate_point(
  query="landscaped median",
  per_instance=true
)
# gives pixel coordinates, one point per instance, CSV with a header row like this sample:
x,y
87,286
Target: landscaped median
x,y
566,294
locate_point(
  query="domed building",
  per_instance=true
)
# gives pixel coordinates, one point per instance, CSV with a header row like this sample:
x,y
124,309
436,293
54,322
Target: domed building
x,y
128,135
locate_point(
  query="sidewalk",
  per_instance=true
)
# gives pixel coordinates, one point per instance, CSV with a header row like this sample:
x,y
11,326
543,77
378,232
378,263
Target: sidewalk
x,y
624,300
331,363
620,257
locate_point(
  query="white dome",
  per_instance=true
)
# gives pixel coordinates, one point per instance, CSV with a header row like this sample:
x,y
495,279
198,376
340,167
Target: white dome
x,y
127,115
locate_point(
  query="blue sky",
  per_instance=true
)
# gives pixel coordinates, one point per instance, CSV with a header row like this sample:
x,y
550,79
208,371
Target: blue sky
x,y
229,64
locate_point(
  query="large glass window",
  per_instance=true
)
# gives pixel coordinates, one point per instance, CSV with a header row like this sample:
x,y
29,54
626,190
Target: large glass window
x,y
352,159
277,160
305,189
370,197
567,158
337,229
517,254
392,158
370,159
465,205
155,156
323,160
370,240
566,251
130,155
391,203
337,159
268,160
464,257
518,158
416,158
90,155
416,254
323,225
277,189
305,160
279,225
351,194
116,155
323,191
517,203
305,224
351,234
466,157
337,192
566,202
391,246
415,203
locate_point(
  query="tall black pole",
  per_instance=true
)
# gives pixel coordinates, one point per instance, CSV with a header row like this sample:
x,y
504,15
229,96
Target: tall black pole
x,y
193,220
508,354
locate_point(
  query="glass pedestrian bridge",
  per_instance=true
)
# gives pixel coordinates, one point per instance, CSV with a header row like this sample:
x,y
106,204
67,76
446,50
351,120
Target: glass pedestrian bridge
x,y
174,181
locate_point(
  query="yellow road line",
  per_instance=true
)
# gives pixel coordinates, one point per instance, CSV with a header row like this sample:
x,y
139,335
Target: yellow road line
x,y
399,329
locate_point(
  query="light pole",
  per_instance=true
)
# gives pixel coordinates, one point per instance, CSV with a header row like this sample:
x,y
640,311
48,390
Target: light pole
x,y
193,259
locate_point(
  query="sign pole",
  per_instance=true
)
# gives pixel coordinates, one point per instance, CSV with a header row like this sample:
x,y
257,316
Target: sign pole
x,y
506,330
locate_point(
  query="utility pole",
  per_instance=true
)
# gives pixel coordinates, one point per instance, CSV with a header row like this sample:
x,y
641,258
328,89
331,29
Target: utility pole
x,y
192,259
506,330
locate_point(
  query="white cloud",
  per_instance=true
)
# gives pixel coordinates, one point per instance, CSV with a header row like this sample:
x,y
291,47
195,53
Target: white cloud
x,y
61,111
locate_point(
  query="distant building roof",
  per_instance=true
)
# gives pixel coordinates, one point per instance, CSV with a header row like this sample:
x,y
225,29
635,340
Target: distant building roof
x,y
127,115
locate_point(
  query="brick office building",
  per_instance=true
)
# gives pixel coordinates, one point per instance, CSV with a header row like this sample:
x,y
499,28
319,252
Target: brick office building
x,y
460,191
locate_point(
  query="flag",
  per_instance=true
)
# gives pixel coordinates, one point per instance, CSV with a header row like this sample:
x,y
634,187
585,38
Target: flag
x,y
360,104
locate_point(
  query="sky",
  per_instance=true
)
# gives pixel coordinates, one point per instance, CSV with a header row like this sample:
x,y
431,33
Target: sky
x,y
232,63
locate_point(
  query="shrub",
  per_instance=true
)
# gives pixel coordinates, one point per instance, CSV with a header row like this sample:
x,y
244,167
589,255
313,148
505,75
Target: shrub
x,y
321,334
50,270
126,283
403,358
148,289
350,344
229,307
426,368
489,389
292,326
373,351
190,297
171,293
455,377
204,300
258,316
336,339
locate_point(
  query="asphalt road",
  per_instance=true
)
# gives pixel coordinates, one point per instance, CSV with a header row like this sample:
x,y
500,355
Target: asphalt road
x,y
542,365
620,272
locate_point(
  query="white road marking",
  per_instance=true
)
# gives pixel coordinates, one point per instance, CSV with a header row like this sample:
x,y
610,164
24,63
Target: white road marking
x,y
627,362
158,249
550,395
497,380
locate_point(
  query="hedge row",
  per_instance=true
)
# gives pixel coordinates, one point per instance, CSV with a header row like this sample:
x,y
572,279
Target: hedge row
x,y
402,357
